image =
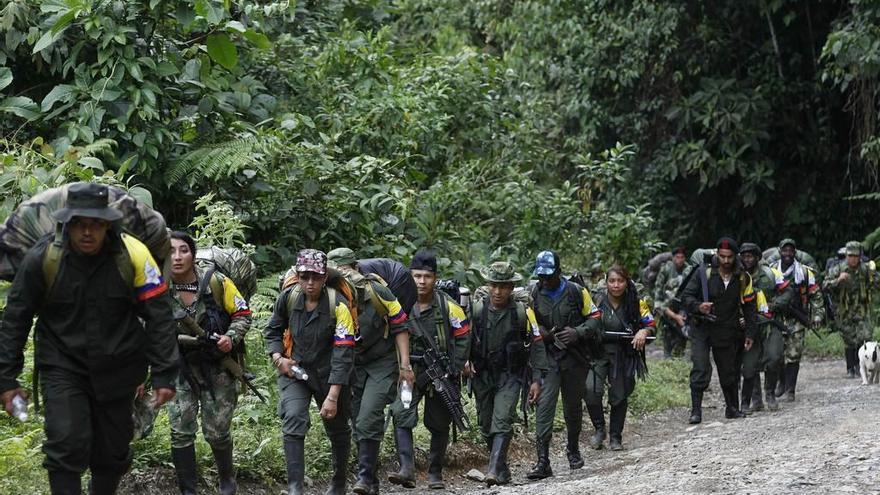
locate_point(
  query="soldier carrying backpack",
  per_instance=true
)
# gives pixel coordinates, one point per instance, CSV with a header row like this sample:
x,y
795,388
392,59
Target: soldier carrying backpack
x,y
88,285
213,301
507,355
381,362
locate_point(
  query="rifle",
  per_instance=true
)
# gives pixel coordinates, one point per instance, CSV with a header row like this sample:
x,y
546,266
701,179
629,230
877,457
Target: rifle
x,y
198,336
440,373
802,317
524,395
573,350
622,336
763,320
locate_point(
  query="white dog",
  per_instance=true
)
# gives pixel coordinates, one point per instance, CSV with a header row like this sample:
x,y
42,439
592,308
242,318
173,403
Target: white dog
x,y
868,362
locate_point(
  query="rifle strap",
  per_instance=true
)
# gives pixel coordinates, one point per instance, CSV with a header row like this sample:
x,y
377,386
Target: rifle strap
x,y
704,281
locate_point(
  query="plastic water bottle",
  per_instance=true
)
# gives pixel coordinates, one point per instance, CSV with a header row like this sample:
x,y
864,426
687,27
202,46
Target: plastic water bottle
x,y
19,408
299,373
405,394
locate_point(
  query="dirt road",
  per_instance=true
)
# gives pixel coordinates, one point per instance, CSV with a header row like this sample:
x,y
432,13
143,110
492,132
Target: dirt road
x,y
828,441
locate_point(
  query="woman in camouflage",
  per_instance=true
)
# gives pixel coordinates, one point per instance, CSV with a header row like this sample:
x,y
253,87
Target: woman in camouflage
x,y
214,302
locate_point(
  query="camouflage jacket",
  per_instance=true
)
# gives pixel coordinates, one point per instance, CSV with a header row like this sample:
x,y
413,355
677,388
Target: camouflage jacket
x,y
853,297
668,281
233,304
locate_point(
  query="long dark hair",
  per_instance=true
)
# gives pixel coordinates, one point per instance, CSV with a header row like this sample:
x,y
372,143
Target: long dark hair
x,y
630,300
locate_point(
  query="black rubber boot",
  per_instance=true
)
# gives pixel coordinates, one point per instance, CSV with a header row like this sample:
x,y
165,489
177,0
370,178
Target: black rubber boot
x,y
748,386
617,419
757,395
780,384
731,411
852,361
368,454
294,455
597,417
104,483
435,461
406,476
542,468
65,483
185,465
696,407
340,447
769,391
498,460
225,469
573,452
791,376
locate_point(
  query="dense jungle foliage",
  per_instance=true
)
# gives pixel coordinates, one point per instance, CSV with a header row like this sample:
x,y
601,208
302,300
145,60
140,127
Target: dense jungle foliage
x,y
485,129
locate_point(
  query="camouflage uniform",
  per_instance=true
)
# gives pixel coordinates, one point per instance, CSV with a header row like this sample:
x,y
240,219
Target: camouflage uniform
x,y
854,299
766,353
217,391
808,297
669,279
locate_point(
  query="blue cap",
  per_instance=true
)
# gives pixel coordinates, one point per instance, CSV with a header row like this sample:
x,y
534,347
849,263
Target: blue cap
x,y
545,263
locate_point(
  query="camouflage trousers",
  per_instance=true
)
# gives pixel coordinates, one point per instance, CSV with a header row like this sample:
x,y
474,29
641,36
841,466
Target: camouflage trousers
x,y
855,332
795,342
217,411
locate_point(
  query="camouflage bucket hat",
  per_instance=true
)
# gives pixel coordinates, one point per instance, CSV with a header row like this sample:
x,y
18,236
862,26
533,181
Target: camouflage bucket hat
x,y
854,247
311,260
787,242
500,271
342,256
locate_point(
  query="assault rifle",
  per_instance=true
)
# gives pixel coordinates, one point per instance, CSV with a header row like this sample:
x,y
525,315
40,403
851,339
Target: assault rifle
x,y
763,320
622,336
440,373
197,337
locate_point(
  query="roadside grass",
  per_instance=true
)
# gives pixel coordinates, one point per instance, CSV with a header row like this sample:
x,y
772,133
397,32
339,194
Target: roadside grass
x,y
830,345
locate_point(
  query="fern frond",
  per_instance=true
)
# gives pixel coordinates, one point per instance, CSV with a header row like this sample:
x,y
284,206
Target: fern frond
x,y
219,160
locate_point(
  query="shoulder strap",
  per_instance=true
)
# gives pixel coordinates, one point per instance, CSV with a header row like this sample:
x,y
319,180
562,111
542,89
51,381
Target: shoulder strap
x,y
574,292
704,280
217,289
331,296
521,318
374,299
291,299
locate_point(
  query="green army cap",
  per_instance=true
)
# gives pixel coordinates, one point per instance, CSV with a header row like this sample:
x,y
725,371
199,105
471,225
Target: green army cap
x,y
854,247
342,256
787,242
500,271
750,247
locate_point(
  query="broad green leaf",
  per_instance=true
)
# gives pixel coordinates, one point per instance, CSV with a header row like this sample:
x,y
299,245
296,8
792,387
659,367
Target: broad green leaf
x,y
91,162
58,93
259,40
47,39
19,105
235,26
5,77
222,51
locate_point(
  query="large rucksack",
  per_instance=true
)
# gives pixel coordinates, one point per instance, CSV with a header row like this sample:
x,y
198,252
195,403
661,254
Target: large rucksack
x,y
650,272
336,283
32,220
233,263
397,277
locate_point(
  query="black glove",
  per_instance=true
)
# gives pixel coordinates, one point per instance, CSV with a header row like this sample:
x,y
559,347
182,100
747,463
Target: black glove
x,y
567,335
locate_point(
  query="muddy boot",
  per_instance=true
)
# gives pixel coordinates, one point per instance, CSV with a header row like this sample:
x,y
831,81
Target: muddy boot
x,y
597,417
618,418
439,442
340,448
696,407
406,476
184,460
294,456
498,460
791,376
368,454
225,469
573,452
104,483
769,391
65,483
542,468
748,386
